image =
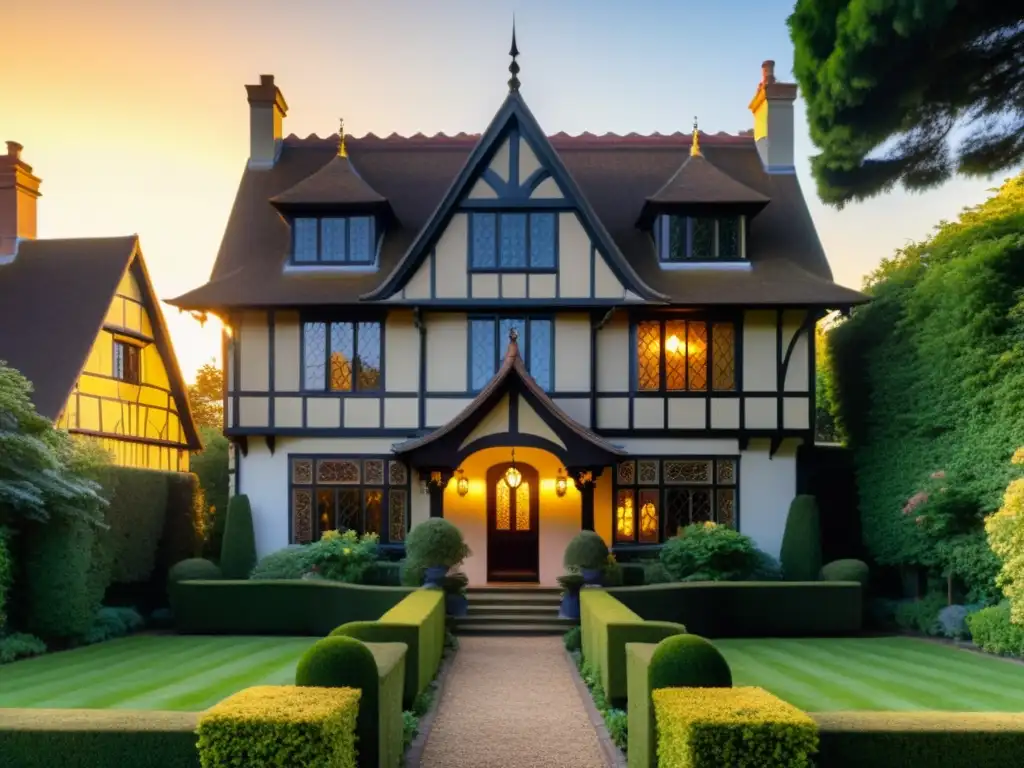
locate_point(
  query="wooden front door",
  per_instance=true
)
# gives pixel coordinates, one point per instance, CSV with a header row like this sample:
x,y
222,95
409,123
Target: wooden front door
x,y
513,552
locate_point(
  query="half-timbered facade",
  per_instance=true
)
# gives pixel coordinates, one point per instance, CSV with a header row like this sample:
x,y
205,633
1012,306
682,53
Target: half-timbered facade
x,y
525,334
80,320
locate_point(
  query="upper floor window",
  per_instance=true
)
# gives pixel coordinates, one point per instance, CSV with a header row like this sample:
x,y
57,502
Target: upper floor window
x,y
488,342
126,362
513,242
679,356
691,238
341,357
335,240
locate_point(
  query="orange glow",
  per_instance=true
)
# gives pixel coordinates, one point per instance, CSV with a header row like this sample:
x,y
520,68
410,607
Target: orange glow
x,y
672,344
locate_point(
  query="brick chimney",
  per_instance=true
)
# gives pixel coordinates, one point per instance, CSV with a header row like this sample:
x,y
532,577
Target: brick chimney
x,y
267,110
772,106
19,190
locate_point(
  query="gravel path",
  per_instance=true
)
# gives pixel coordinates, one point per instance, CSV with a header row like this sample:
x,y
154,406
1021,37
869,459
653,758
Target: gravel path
x,y
511,703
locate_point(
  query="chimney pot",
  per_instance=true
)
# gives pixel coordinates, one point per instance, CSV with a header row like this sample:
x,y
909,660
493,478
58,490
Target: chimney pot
x,y
772,107
19,191
267,109
266,79
14,150
768,72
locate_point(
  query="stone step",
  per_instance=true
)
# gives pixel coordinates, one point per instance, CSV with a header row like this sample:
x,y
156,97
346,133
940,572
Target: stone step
x,y
510,608
514,590
521,598
503,628
513,618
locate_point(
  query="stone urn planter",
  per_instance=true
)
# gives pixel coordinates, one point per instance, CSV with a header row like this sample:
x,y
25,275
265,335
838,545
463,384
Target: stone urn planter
x,y
592,577
434,575
455,602
570,607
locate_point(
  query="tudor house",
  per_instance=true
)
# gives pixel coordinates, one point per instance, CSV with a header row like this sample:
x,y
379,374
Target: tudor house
x,y
80,320
524,334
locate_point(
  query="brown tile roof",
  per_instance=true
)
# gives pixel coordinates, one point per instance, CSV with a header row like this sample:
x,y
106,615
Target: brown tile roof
x,y
337,183
615,173
700,181
54,298
512,367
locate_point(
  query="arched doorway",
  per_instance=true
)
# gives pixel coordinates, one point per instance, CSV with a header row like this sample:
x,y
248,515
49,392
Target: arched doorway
x,y
513,551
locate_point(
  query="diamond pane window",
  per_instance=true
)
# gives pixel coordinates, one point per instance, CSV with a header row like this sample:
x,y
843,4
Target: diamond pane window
x,y
398,502
342,354
488,343
648,351
349,510
368,337
314,336
697,356
360,239
698,238
542,240
485,238
678,248
304,232
676,354
512,253
702,243
482,352
539,363
332,239
729,237
723,344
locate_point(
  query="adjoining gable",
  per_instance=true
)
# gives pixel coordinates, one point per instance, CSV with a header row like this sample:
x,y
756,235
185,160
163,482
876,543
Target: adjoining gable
x,y
502,166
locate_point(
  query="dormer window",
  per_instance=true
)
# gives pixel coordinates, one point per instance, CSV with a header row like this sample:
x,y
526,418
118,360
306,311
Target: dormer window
x,y
700,238
334,240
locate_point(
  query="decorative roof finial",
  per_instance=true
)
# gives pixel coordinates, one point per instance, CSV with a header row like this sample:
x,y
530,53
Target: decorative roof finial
x,y
513,82
342,151
695,145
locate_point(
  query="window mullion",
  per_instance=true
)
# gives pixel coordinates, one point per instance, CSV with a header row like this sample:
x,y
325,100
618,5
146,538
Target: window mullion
x,y
715,241
326,383
355,357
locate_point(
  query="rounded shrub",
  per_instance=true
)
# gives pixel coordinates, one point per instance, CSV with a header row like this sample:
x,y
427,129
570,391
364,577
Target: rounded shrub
x,y
586,550
846,570
193,569
801,540
688,661
292,562
238,549
436,542
334,662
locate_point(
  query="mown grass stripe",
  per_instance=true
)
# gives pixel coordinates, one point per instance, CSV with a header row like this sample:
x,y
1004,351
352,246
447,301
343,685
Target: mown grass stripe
x,y
953,659
207,667
749,671
146,669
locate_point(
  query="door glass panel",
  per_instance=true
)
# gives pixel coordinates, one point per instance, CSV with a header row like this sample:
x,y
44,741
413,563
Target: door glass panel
x,y
523,507
502,507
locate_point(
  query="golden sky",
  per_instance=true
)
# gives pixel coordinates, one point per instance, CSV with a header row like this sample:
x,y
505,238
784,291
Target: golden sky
x,y
134,113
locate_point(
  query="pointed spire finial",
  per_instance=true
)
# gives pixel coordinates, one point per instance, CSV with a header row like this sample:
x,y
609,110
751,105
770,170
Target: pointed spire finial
x,y
695,145
342,151
513,82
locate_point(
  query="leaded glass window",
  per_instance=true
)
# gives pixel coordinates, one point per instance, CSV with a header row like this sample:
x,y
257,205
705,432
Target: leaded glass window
x,y
513,241
681,349
488,343
350,353
335,240
348,493
691,490
697,238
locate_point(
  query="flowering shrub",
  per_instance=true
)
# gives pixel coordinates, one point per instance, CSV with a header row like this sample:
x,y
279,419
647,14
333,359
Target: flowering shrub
x,y
1005,531
343,556
709,552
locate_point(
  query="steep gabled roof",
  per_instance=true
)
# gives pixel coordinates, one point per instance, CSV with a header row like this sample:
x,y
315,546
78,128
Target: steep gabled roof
x,y
54,298
337,183
513,115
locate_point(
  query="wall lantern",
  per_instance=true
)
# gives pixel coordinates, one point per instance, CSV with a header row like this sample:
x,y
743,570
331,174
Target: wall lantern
x,y
513,477
462,484
561,484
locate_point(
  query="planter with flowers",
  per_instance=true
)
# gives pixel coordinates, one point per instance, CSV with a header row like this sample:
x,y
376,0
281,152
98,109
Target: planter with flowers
x,y
571,583
587,552
437,546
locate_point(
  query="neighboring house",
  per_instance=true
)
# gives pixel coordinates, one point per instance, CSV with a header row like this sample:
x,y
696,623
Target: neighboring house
x,y
80,320
625,320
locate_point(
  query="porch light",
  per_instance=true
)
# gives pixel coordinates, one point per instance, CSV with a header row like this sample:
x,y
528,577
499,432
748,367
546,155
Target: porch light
x,y
672,344
561,484
513,477
462,484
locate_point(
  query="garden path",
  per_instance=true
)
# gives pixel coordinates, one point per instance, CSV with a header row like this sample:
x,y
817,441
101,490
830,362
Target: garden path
x,y
511,701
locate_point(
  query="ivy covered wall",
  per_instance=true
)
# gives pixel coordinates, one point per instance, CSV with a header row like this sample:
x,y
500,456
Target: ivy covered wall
x,y
929,378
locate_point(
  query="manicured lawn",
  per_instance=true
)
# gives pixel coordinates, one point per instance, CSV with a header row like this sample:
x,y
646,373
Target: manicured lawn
x,y
891,673
151,672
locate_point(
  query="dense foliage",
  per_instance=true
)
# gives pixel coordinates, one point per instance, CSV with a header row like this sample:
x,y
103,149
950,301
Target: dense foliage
x,y
6,574
801,540
586,550
896,77
238,553
926,381
709,552
134,521
344,556
436,542
20,646
211,467
206,398
992,631
846,570
1006,537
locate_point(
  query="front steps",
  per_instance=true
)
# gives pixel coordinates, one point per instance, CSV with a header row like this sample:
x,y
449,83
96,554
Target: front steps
x,y
512,610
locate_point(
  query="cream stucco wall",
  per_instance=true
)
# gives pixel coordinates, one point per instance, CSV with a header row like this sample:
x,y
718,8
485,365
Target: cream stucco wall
x,y
767,487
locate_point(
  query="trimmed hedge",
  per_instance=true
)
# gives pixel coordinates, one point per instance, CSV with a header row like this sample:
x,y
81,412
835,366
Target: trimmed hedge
x,y
920,739
801,540
193,569
735,727
269,607
606,626
378,671
277,725
97,738
419,622
846,570
238,551
751,608
136,516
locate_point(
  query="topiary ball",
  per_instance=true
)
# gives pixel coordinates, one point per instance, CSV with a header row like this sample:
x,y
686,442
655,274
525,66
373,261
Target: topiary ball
x,y
193,569
334,662
586,550
688,661
436,542
846,570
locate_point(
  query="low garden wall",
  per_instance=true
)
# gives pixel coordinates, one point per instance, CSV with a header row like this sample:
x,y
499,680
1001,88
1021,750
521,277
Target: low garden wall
x,y
269,607
749,608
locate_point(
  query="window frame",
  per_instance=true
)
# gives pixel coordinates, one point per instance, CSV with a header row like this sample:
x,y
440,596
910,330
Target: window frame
x,y
501,346
662,240
135,354
320,261
663,490
386,487
355,322
527,267
710,320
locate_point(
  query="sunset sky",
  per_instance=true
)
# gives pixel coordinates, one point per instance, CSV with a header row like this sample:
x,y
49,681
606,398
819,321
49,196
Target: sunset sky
x,y
134,113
